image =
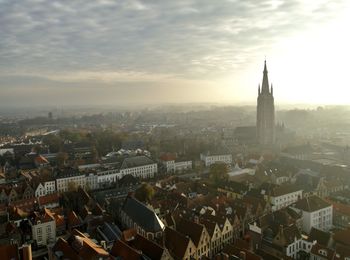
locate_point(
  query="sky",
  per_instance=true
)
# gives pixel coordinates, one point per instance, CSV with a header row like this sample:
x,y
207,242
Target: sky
x,y
120,52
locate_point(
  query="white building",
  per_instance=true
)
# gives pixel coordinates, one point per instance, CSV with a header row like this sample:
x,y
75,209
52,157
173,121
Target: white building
x,y
138,166
182,166
284,195
107,176
43,228
91,181
316,213
45,188
210,159
173,166
63,182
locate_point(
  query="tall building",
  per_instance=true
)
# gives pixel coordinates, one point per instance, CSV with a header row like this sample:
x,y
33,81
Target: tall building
x,y
265,123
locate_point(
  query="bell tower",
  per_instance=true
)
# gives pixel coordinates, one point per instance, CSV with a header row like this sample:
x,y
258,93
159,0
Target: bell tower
x,y
265,121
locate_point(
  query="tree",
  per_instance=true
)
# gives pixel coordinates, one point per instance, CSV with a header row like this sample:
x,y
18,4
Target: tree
x,y
218,172
72,186
144,193
61,159
54,142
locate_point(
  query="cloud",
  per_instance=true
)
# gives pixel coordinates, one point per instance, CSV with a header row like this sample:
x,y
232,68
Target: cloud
x,y
134,40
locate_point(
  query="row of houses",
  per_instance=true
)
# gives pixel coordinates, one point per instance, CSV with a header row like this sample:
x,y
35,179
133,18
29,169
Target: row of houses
x,y
184,238
140,166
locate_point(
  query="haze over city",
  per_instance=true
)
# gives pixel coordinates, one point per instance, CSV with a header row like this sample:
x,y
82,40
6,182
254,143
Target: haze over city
x,y
106,52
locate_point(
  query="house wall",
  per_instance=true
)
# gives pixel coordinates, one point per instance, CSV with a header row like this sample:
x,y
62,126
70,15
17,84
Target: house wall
x,y
44,233
285,200
321,219
145,171
211,159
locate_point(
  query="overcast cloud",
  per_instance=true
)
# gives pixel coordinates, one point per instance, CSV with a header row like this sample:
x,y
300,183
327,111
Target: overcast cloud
x,y
48,48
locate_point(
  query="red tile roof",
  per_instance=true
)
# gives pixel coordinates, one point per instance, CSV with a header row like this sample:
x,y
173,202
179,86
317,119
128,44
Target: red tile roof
x,y
9,252
124,251
342,237
73,219
48,199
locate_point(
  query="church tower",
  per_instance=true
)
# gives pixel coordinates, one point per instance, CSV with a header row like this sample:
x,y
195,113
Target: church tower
x,y
265,123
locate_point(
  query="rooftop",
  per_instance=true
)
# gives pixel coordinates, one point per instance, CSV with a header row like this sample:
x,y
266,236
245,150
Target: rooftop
x,y
311,204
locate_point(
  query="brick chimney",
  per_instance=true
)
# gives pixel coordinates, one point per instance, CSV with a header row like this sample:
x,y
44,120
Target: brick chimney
x,y
27,252
242,255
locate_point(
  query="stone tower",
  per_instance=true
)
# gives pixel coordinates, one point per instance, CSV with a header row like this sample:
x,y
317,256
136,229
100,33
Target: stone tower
x,y
265,123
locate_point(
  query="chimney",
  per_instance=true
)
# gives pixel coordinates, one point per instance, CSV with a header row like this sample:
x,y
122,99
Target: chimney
x,y
27,252
104,244
242,255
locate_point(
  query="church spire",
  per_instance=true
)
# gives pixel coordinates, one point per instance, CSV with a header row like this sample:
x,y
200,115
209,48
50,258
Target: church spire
x,y
265,82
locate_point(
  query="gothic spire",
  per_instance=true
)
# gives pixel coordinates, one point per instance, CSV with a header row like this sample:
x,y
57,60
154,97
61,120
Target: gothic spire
x,y
265,82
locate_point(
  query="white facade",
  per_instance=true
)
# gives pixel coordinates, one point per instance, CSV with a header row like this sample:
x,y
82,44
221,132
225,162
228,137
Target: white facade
x,y
183,166
108,176
227,233
91,181
321,219
284,200
63,183
44,233
172,166
144,171
281,179
211,159
45,188
293,248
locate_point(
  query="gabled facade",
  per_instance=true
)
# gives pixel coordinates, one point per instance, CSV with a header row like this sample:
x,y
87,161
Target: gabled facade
x,y
198,234
137,215
316,213
43,227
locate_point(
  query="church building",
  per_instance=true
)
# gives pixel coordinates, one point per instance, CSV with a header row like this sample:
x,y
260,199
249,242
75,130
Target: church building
x,y
265,123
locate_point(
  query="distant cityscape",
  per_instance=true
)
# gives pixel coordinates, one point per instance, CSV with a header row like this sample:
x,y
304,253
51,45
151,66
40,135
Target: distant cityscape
x,y
177,182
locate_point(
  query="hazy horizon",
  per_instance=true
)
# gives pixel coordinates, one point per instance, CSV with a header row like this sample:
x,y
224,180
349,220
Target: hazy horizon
x,y
110,53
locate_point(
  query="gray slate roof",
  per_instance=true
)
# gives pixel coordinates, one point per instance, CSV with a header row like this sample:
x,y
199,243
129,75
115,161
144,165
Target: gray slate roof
x,y
136,162
142,215
311,204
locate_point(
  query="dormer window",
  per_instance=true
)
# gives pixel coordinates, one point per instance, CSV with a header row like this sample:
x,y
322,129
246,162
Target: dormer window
x,y
322,252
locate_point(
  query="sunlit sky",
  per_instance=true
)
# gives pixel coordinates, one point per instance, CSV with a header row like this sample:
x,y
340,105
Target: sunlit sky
x,y
111,52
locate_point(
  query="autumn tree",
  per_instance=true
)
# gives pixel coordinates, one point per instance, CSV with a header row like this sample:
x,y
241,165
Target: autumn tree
x,y
218,172
144,193
61,159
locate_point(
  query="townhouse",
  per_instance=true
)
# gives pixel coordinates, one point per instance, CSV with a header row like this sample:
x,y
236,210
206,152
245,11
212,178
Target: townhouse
x,y
211,158
316,212
139,166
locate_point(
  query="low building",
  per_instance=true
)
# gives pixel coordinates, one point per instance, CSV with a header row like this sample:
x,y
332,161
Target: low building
x,y
215,235
282,196
321,252
139,166
316,212
179,245
286,242
66,181
198,234
172,165
43,227
134,214
341,214
45,188
211,158
106,177
77,246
